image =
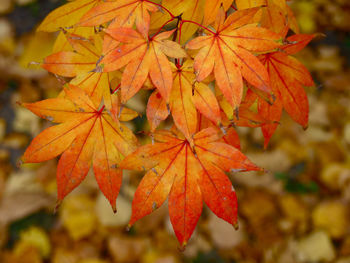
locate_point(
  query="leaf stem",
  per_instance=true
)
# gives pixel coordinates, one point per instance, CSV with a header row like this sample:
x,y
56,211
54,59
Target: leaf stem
x,y
192,22
162,7
101,110
116,89
179,25
180,30
160,29
177,34
233,7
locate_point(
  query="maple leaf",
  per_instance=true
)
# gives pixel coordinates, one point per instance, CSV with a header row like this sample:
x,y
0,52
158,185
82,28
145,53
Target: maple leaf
x,y
85,135
196,11
230,137
187,96
157,110
275,15
288,76
121,18
119,112
126,12
212,8
188,9
142,57
79,63
245,116
189,175
227,53
182,108
70,63
206,103
66,15
295,43
63,43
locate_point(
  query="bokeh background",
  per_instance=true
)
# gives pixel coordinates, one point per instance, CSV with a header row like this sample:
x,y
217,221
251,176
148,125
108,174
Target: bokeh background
x,y
296,212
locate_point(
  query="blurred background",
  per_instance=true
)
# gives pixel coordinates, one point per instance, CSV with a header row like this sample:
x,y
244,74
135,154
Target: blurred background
x,y
297,212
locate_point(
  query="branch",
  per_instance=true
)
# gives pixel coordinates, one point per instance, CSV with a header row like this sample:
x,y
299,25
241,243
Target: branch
x,y
189,21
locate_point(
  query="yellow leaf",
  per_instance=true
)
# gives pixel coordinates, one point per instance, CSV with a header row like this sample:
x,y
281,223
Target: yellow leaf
x,y
78,216
38,238
36,49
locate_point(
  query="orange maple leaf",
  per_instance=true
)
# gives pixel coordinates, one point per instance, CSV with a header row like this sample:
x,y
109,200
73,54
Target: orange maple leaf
x,y
142,56
79,63
189,175
157,110
212,8
227,52
70,63
126,12
288,76
67,15
245,116
275,15
188,9
187,96
85,135
230,134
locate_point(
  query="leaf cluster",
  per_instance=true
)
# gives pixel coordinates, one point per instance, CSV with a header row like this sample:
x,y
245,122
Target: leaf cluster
x,y
212,65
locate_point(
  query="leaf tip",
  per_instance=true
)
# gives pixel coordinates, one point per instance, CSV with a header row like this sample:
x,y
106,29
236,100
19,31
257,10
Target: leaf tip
x,y
182,247
237,113
168,108
114,208
222,128
19,163
39,29
57,206
268,171
63,30
273,99
266,144
98,68
34,63
320,35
